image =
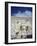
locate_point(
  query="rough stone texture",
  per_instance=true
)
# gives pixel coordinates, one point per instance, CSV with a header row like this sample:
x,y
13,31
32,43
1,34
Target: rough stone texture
x,y
16,22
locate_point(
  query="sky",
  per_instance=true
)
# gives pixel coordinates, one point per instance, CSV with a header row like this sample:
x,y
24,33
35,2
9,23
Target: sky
x,y
21,11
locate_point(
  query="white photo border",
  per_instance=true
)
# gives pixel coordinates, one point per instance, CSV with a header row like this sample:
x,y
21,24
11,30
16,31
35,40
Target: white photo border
x,y
9,4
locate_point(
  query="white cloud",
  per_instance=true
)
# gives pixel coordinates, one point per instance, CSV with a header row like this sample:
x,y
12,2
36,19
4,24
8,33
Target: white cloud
x,y
22,14
29,13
